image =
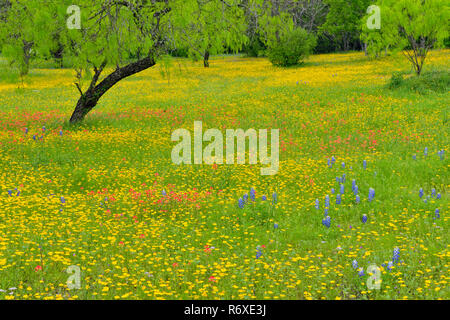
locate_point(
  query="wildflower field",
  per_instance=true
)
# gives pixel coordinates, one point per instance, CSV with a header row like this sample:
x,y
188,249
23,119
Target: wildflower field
x,y
363,180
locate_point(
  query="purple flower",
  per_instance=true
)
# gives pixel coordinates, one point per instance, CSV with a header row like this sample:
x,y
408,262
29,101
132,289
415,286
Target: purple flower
x,y
327,201
371,194
26,130
414,157
355,264
436,213
333,159
325,212
63,200
264,198
10,193
317,205
438,196
338,199
364,218
60,132
390,265
355,190
343,165
327,221
357,199
353,185
364,164
258,253
396,255
275,225
332,190
275,198
245,197
342,189
361,272
421,192
241,203
252,194
164,193
425,151
329,163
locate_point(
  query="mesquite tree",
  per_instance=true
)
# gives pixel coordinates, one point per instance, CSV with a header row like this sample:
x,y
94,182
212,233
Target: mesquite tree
x,y
109,40
413,26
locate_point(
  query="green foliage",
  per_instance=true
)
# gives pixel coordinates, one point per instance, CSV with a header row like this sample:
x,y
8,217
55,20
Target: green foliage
x,y
292,48
414,26
396,80
255,47
428,83
342,21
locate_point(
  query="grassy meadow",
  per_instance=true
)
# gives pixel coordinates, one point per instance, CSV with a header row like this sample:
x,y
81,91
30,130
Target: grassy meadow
x,y
105,195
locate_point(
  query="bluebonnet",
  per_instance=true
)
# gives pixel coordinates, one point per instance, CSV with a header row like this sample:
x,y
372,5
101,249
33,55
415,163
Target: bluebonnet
x,y
63,200
438,196
361,272
371,194
327,221
343,178
338,179
264,198
275,225
333,159
43,128
355,190
436,213
258,253
441,154
343,165
421,192
342,189
353,185
327,201
332,190
414,157
164,193
329,163
425,151
60,132
252,194
338,199
34,137
396,255
26,130
18,193
364,218
274,197
390,265
325,212
241,203
10,193
433,192
245,197
317,205
365,164
355,264
357,199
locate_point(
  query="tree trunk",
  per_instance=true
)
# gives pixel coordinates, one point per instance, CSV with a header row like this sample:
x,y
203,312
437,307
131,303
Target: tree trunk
x,y
206,59
89,99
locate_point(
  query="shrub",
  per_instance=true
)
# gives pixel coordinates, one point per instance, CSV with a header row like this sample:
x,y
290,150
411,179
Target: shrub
x,y
396,80
292,48
428,82
255,47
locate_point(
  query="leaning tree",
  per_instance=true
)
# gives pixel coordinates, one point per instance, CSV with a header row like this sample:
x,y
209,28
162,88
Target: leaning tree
x,y
412,26
111,40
